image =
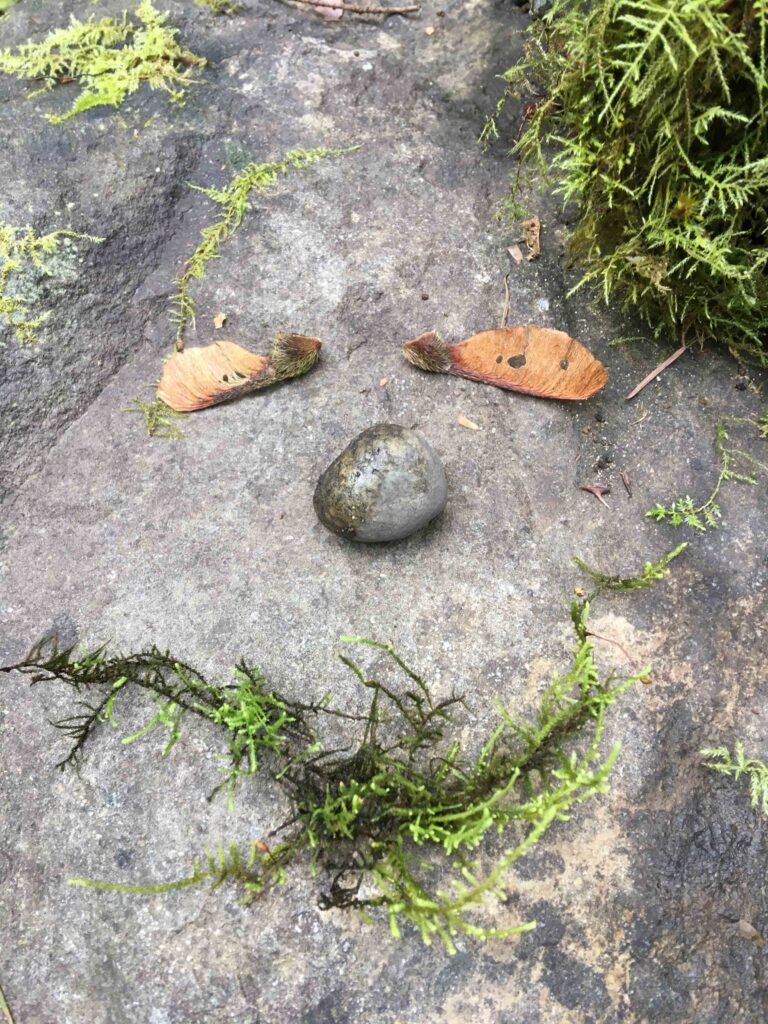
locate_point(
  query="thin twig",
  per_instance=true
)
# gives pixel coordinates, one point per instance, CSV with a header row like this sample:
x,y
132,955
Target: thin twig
x,y
655,373
505,311
357,9
6,1011
627,482
608,640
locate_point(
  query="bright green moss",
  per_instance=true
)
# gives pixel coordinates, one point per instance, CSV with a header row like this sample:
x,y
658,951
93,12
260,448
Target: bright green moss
x,y
652,117
395,817
108,59
23,254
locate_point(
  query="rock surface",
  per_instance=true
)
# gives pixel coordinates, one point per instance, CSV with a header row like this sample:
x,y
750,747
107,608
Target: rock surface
x,y
386,484
210,546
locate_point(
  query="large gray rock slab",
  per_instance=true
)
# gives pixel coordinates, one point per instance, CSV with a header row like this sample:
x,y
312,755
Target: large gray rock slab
x,y
211,546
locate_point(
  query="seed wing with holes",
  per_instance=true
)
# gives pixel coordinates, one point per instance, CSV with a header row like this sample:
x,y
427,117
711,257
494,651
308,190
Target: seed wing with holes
x,y
199,377
535,360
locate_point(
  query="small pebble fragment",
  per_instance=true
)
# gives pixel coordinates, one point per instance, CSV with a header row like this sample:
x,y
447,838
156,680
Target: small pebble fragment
x,y
386,484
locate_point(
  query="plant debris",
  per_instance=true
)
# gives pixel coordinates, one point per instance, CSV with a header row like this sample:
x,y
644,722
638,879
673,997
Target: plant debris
x,y
598,490
371,816
109,59
159,418
532,236
371,11
655,373
735,464
469,424
200,377
23,253
626,481
534,360
226,7
219,320
516,253
752,768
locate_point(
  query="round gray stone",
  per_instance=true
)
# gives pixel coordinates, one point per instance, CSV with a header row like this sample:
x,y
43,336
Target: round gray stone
x,y
386,484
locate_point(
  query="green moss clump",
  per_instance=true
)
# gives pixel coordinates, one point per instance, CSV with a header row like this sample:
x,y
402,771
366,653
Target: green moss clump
x,y
109,59
6,5
228,7
735,464
657,115
752,768
23,253
159,419
376,816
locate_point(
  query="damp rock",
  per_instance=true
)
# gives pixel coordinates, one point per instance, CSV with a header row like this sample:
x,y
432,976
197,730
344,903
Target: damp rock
x,y
386,484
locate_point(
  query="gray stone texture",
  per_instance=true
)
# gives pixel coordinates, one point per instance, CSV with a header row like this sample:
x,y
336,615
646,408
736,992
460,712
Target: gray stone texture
x,y
210,545
387,483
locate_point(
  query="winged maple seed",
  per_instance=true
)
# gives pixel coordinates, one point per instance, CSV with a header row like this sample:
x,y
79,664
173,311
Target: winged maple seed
x,y
199,377
534,360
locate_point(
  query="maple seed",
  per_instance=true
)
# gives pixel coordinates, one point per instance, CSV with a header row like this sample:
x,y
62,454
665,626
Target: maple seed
x,y
598,490
534,360
200,377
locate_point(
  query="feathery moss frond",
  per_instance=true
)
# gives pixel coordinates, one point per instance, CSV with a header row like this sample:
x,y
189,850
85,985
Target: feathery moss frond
x,y
159,418
235,201
651,573
228,7
109,59
735,464
755,770
377,816
23,253
657,116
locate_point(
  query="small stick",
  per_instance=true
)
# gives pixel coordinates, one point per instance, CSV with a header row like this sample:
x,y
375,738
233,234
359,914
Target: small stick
x,y
608,640
505,311
356,9
627,482
5,1009
655,373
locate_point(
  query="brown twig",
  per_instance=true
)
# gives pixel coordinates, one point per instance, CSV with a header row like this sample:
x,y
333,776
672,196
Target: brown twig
x,y
505,311
655,373
627,482
357,9
622,648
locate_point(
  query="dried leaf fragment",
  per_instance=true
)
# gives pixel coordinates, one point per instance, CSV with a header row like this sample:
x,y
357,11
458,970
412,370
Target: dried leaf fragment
x,y
219,320
534,360
203,376
532,236
598,490
748,931
469,424
516,253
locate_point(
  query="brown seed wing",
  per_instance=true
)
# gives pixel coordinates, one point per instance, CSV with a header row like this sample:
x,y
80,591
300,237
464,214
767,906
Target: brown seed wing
x,y
535,360
199,377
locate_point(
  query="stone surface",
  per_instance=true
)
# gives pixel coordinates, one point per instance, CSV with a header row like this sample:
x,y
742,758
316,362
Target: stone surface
x,y
386,484
210,545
